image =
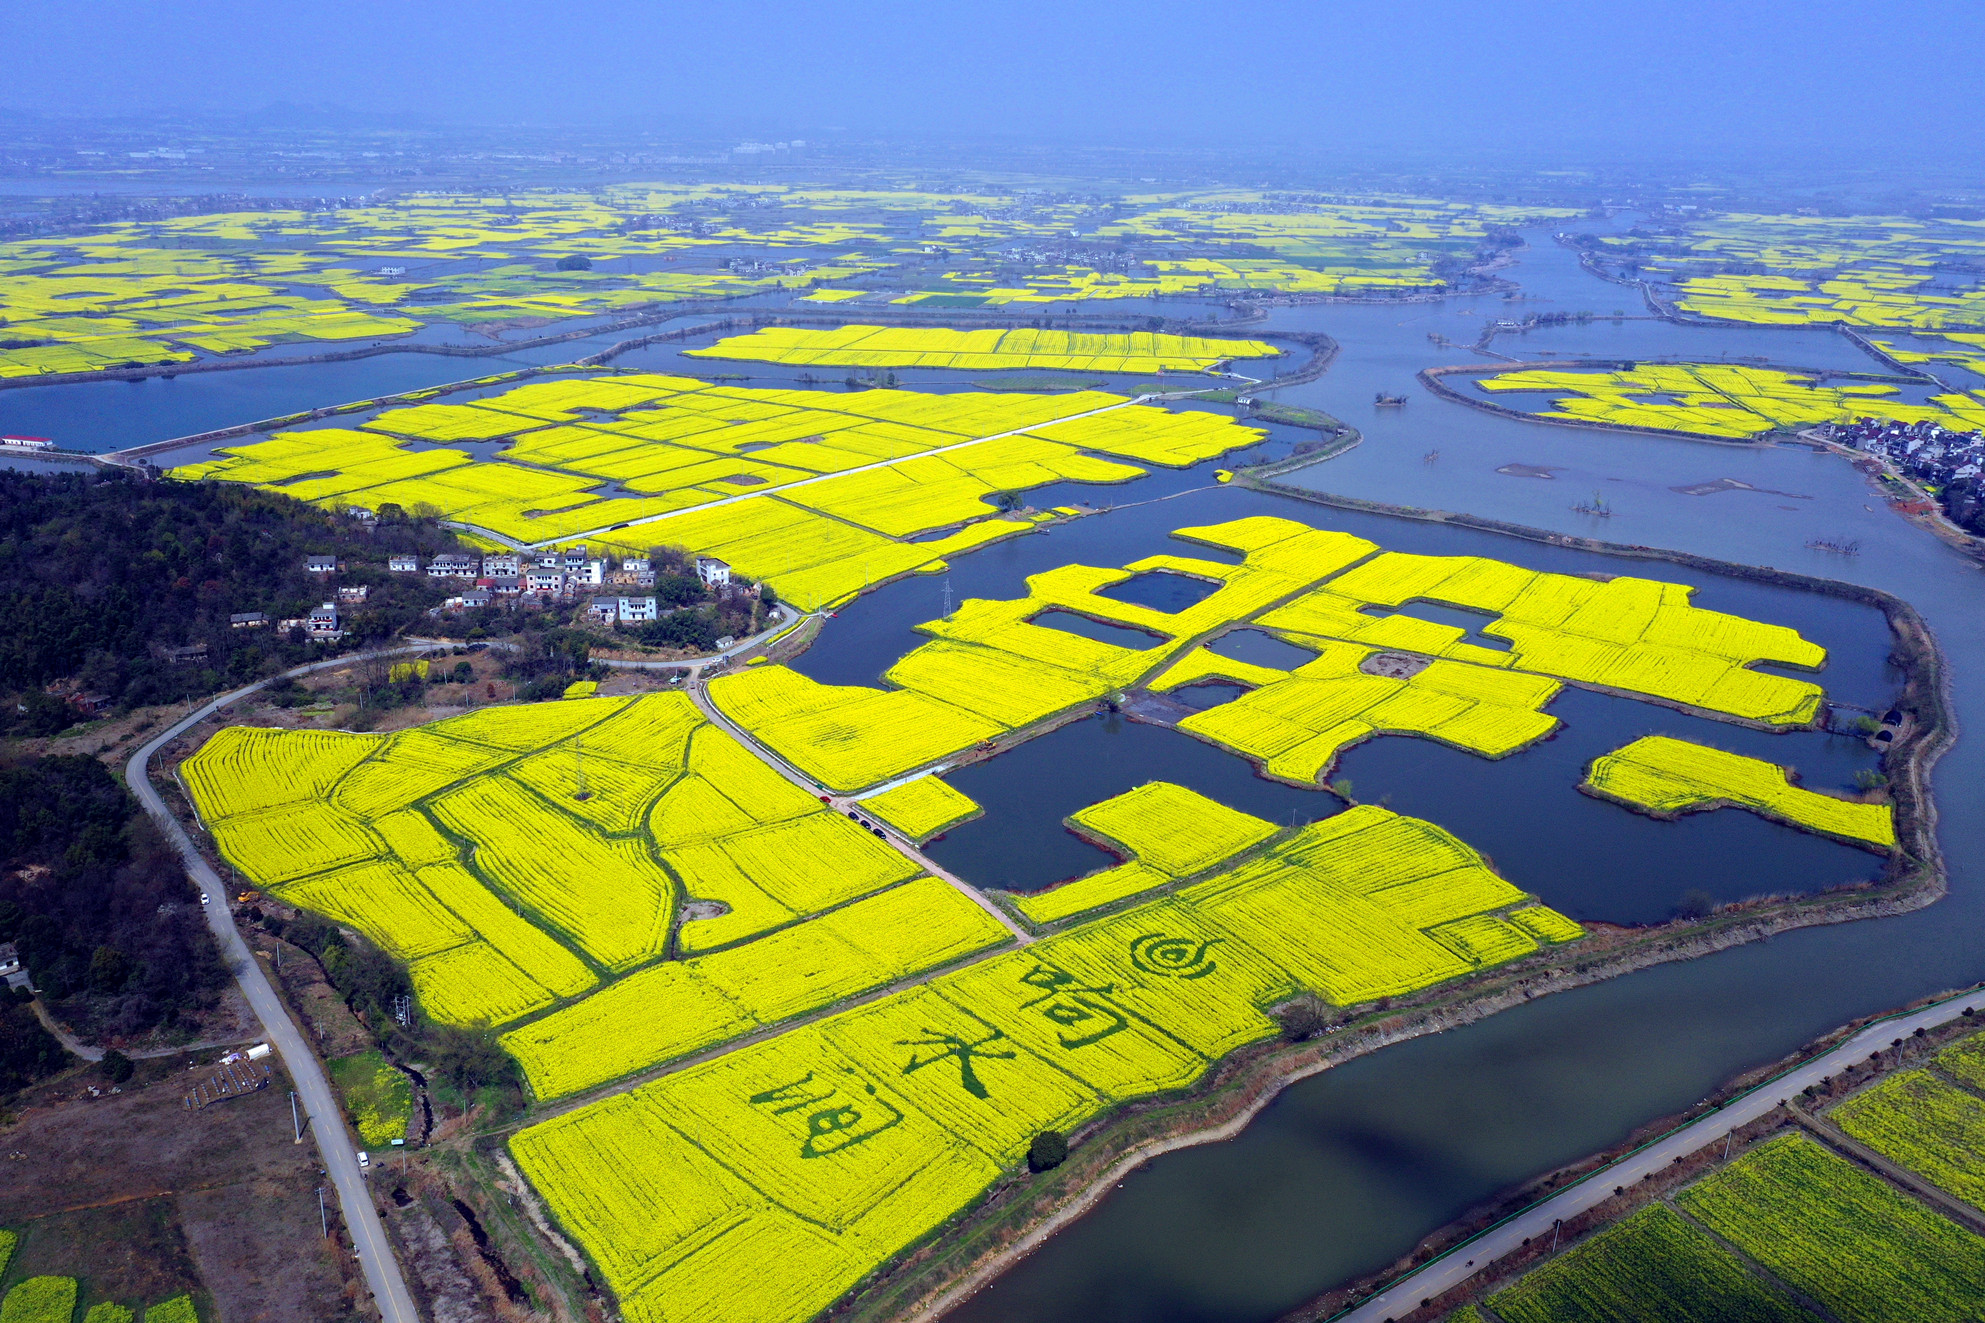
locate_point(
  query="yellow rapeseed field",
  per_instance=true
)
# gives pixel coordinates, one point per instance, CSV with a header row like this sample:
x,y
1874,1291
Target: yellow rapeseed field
x,y
942,347
1170,832
1668,777
465,847
832,1147
922,808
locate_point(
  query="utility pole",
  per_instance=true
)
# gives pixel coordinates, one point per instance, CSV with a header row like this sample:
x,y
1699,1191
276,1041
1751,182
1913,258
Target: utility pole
x,y
323,1223
579,763
295,1120
1557,1224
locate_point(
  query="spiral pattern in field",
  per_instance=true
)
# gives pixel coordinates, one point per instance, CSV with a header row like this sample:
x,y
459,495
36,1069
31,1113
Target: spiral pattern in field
x,y
1174,957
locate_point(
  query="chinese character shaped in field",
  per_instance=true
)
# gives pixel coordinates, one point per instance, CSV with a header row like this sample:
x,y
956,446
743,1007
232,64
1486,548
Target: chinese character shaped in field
x,y
835,1116
1080,1011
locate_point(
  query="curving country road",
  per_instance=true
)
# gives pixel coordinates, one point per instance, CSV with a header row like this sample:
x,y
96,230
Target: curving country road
x,y
1481,1253
375,1255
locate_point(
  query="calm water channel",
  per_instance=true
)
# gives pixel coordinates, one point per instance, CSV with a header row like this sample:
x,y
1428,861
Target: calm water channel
x,y
1346,1171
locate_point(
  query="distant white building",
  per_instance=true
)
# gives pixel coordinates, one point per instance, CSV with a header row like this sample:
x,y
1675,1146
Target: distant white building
x,y
504,563
712,571
320,564
323,623
636,609
545,581
604,610
403,564
632,563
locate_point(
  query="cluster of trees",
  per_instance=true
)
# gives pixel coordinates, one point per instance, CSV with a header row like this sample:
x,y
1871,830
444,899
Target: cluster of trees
x,y
467,1060
100,570
697,615
98,904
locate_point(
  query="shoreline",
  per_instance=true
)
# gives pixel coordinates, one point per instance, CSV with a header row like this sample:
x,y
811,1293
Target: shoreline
x,y
1022,1212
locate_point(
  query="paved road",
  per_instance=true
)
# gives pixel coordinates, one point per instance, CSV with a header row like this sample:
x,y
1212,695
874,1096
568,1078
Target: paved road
x,y
78,1048
1477,1255
375,1255
789,619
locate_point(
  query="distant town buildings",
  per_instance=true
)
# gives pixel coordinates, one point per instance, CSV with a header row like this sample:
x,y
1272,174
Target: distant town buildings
x,y
1944,463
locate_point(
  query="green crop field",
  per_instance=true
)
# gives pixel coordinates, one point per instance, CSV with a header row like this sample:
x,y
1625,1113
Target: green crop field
x,y
1652,1268
1865,1251
1927,1125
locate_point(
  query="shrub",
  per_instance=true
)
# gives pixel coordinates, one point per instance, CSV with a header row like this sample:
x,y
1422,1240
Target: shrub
x,y
1048,1151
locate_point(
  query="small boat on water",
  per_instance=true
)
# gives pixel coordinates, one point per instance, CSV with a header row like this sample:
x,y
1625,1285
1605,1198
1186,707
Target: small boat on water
x,y
1385,401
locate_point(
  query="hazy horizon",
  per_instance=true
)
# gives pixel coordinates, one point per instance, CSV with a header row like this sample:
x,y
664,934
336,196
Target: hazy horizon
x,y
1817,84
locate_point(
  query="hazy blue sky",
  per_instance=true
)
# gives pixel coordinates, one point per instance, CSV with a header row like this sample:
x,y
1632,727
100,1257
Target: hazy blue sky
x,y
1830,78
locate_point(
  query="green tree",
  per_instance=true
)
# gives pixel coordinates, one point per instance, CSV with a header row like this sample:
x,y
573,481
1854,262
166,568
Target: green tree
x,y
116,1067
575,263
470,1058
1049,1150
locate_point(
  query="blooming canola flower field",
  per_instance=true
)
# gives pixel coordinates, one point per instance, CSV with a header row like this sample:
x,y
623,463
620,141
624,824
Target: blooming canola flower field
x,y
819,493
830,1148
464,849
1725,401
1666,777
168,291
778,1038
920,346
991,669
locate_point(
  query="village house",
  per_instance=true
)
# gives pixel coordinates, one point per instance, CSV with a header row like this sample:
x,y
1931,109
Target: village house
x,y
247,620
505,563
320,564
403,564
503,585
603,610
476,597
545,581
451,567
323,623
352,592
633,610
635,564
713,572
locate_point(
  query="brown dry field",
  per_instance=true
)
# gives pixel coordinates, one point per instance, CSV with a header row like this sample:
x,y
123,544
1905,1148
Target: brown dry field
x,y
143,1199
